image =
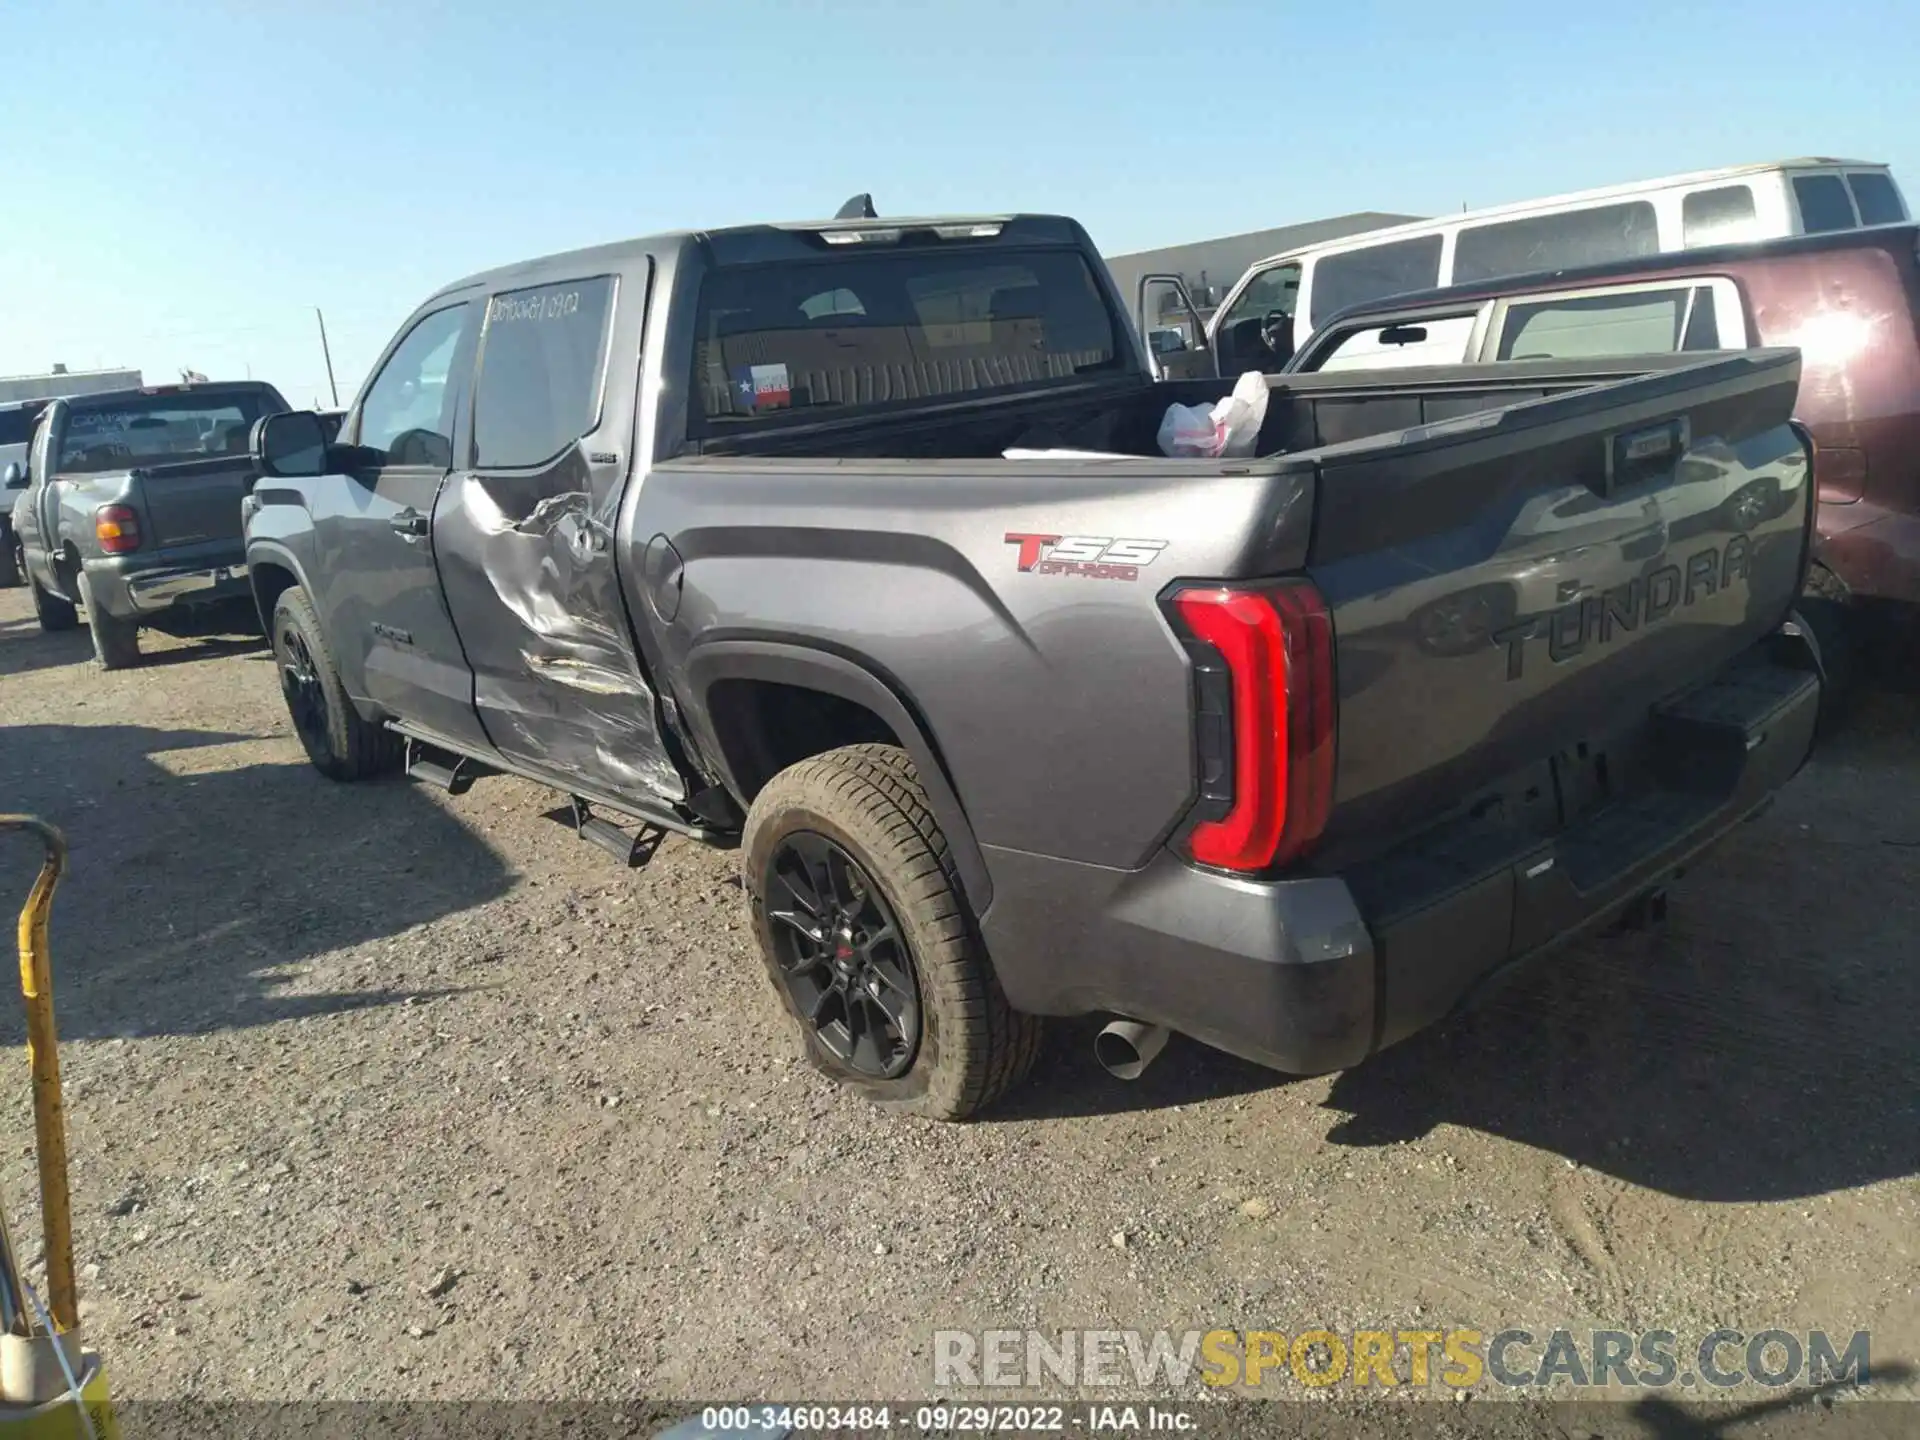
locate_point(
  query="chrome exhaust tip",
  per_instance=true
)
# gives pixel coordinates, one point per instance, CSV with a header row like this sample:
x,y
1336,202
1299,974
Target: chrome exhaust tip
x,y
1126,1048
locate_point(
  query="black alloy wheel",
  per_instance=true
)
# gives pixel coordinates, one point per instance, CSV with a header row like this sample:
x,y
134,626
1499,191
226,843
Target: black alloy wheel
x,y
842,956
300,682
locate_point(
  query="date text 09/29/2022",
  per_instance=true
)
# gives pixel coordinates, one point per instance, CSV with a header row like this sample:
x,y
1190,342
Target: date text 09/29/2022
x,y
949,1419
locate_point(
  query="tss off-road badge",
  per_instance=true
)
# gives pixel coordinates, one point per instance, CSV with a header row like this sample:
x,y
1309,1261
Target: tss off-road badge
x,y
1093,557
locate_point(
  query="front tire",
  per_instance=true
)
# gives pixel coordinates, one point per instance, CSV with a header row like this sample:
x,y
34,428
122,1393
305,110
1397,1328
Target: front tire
x,y
341,744
116,642
860,919
10,567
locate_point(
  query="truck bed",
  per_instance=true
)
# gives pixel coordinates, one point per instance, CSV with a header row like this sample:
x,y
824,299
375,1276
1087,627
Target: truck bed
x,y
1304,412
1466,499
191,502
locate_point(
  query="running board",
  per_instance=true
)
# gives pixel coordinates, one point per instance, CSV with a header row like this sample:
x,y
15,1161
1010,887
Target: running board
x,y
455,779
632,850
438,761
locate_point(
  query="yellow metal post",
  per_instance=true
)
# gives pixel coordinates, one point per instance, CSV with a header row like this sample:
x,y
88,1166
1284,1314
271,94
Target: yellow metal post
x,y
43,1056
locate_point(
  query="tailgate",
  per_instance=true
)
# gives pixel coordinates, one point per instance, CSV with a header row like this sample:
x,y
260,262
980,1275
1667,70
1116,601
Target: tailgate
x,y
195,501
1509,586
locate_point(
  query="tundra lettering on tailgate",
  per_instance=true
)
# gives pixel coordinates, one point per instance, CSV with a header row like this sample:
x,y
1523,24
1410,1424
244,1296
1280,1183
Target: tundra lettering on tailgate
x,y
1597,619
1095,557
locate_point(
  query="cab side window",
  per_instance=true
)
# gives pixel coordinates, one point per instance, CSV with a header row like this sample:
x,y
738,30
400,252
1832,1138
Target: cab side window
x,y
406,416
1723,215
1591,235
1374,272
541,358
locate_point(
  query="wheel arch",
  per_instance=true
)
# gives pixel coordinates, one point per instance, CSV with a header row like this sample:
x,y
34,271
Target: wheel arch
x,y
271,571
735,726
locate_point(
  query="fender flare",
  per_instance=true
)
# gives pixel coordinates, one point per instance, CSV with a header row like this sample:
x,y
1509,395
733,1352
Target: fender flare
x,y
810,668
274,553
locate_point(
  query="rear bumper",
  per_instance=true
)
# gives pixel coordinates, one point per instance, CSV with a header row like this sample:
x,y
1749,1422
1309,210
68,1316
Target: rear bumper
x,y
1311,975
130,591
161,589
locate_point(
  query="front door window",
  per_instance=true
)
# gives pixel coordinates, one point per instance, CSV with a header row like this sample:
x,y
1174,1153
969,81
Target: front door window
x,y
406,417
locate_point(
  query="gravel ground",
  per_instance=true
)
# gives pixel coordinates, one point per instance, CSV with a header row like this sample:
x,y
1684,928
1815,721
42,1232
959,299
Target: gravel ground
x,y
377,1094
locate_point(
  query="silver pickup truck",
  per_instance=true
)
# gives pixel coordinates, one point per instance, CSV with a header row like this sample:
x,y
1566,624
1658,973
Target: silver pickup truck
x,y
129,506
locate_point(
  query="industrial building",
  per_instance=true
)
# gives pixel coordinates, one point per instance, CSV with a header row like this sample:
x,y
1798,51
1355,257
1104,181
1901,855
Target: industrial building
x,y
62,381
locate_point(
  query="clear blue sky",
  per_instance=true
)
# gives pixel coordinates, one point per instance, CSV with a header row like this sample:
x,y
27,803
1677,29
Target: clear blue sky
x,y
187,179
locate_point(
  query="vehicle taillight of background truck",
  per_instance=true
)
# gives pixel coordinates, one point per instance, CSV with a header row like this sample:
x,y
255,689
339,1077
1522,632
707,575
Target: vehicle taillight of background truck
x,y
1277,644
117,527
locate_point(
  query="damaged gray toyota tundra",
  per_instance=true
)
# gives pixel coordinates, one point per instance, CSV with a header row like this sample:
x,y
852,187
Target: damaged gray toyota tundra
x,y
850,544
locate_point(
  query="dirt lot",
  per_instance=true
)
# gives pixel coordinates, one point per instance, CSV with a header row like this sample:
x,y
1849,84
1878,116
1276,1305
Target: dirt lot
x,y
380,1094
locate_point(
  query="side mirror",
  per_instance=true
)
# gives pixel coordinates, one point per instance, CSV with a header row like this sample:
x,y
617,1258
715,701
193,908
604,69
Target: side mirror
x,y
16,476
290,445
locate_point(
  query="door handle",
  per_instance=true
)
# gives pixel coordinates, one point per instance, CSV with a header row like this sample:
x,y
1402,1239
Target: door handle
x,y
410,523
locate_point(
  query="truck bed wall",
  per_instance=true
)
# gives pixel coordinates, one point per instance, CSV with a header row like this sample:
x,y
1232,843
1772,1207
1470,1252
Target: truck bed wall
x,y
1304,412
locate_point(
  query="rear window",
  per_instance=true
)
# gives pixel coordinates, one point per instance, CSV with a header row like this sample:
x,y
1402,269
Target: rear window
x,y
1877,198
157,430
1823,203
1441,341
1353,277
1587,327
1591,236
861,331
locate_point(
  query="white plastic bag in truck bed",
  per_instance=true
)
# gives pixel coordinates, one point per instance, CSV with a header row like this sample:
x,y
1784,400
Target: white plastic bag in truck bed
x,y
1229,427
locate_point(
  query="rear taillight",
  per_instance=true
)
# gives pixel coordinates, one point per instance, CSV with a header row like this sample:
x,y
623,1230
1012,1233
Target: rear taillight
x,y
1265,726
117,528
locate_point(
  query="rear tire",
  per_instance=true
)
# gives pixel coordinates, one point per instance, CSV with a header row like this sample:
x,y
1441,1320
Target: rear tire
x,y
116,642
864,805
53,613
341,744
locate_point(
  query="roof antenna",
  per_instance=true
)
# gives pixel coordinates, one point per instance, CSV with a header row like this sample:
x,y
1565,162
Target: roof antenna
x,y
860,207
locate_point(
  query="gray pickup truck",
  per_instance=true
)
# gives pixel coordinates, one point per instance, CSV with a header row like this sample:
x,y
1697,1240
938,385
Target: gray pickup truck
x,y
129,506
850,544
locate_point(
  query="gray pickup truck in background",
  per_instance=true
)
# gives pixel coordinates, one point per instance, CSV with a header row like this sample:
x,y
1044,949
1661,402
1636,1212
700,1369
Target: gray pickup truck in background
x,y
719,532
130,506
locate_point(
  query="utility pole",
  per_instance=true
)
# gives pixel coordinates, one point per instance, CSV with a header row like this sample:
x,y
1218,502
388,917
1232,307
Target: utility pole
x,y
328,354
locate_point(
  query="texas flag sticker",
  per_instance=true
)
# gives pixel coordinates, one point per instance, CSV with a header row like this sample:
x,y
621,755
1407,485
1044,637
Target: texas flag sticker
x,y
762,387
